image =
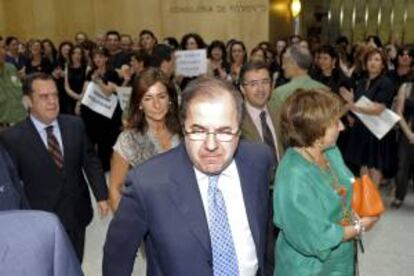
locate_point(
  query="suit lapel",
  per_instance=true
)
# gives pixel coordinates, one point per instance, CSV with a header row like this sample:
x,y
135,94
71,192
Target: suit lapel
x,y
35,138
274,114
186,196
38,143
249,130
66,138
250,189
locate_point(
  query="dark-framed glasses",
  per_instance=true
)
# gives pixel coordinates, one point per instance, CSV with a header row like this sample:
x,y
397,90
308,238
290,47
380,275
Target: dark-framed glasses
x,y
202,135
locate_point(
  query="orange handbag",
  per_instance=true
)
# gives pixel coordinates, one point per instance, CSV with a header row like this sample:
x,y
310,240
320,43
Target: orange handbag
x,y
366,199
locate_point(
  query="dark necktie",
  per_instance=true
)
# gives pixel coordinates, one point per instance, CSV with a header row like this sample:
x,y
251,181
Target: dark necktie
x,y
267,134
54,148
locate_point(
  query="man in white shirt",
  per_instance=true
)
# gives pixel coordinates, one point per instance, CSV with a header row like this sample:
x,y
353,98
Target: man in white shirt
x,y
259,122
259,125
201,208
52,156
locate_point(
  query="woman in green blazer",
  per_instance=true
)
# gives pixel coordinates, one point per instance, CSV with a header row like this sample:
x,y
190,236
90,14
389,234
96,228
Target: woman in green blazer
x,y
312,201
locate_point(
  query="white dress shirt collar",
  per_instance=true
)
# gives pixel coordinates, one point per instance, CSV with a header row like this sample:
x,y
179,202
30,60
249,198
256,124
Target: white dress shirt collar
x,y
255,112
41,130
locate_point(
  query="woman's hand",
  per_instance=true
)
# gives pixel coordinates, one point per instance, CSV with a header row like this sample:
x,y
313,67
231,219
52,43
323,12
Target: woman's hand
x,y
103,208
348,95
369,222
57,73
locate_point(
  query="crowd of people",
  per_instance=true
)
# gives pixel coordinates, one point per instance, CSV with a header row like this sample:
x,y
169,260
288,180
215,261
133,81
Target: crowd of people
x,y
179,178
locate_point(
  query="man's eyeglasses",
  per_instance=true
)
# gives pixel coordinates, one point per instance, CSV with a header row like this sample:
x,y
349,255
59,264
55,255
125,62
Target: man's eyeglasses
x,y
201,135
257,83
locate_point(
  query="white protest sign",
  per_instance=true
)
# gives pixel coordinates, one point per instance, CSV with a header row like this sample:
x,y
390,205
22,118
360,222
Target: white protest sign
x,y
124,94
379,125
96,100
191,63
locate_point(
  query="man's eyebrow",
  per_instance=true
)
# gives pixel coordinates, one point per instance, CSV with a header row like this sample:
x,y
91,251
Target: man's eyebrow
x,y
224,128
197,126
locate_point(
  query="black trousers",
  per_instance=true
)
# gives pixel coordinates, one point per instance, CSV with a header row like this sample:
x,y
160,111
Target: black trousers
x,y
405,165
103,132
77,238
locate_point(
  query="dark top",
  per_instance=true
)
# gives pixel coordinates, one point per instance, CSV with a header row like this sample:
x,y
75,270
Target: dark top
x,y
334,81
358,76
19,62
377,90
408,112
397,79
109,76
44,66
101,130
364,149
119,59
76,78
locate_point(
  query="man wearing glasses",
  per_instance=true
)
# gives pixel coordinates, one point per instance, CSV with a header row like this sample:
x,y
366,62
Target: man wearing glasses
x,y
259,125
259,122
201,208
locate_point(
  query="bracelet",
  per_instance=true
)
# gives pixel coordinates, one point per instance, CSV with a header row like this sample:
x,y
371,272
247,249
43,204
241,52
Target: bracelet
x,y
359,228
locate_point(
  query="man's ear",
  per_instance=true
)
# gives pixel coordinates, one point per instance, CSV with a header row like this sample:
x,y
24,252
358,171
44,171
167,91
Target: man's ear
x,y
27,102
242,90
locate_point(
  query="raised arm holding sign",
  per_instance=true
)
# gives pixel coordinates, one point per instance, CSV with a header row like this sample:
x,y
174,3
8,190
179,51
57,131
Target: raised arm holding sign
x,y
96,100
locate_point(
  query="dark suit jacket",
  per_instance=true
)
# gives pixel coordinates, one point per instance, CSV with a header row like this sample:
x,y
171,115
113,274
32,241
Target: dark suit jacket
x,y
34,243
11,191
162,205
250,132
63,192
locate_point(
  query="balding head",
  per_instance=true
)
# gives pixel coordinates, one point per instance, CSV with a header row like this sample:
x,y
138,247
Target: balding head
x,y
300,55
296,61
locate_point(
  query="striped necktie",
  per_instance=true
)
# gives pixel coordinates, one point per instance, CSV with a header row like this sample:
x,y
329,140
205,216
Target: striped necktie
x,y
267,134
54,148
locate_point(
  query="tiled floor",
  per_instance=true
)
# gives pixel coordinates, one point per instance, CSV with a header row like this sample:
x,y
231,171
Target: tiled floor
x,y
389,247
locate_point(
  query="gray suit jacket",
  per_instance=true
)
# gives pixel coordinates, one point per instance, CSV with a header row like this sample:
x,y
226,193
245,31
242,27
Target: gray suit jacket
x,y
34,243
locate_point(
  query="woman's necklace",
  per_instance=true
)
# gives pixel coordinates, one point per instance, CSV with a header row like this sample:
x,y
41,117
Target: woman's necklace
x,y
332,177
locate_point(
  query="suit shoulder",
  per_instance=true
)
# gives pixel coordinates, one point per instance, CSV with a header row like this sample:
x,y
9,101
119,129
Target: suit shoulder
x,y
158,164
255,151
71,122
252,146
70,119
14,132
